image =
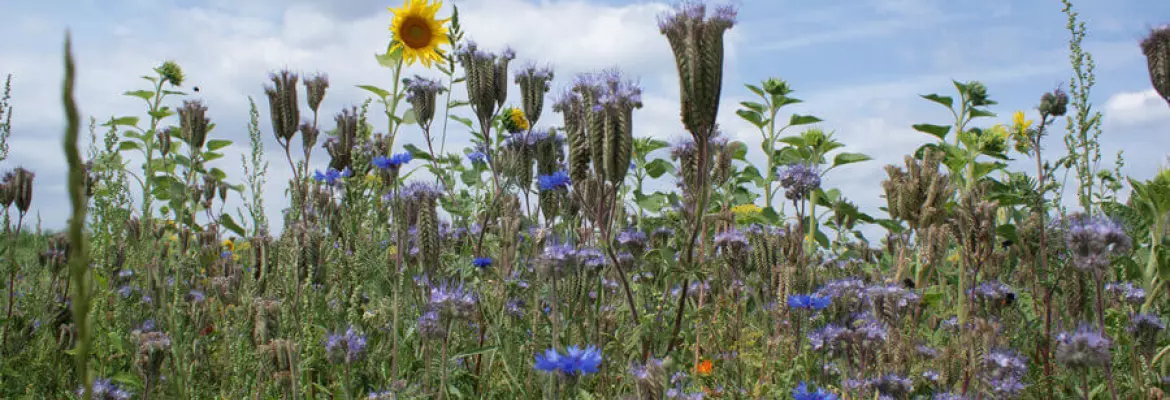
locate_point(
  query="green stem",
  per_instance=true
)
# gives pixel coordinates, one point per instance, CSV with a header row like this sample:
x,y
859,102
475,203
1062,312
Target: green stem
x,y
79,256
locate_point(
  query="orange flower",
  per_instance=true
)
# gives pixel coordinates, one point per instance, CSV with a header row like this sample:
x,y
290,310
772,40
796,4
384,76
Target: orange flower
x,y
704,367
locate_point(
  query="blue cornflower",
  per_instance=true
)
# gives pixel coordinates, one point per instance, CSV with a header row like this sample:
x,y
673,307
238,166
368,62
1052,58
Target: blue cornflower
x,y
554,181
105,389
809,302
575,360
394,161
550,361
331,176
802,393
482,262
477,157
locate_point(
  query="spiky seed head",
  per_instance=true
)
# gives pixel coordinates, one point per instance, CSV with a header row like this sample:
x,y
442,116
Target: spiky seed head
x,y
282,101
21,188
193,123
1156,48
315,87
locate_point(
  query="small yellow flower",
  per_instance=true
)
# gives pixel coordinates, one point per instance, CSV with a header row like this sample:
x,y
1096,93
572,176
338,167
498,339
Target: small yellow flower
x,y
514,120
953,258
229,245
745,210
372,180
1020,121
393,251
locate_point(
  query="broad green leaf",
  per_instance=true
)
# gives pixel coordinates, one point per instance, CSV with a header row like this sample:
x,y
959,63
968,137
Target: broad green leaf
x,y
211,156
658,167
417,152
979,112
751,105
226,220
161,113
849,158
463,120
217,144
798,119
129,145
755,89
752,117
142,94
938,131
793,140
122,121
218,174
944,100
381,93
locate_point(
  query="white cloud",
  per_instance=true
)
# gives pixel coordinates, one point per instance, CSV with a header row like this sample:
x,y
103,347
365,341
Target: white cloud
x,y
1136,110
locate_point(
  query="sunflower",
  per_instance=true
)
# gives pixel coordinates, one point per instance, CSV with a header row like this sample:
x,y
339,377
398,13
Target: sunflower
x,y
417,33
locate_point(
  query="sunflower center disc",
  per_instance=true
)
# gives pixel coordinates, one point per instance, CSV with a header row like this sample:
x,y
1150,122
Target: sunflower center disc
x,y
416,33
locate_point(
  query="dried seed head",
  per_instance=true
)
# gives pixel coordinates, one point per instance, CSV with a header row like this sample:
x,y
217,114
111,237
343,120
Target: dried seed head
x,y
282,101
534,83
422,94
193,123
309,133
315,90
1156,48
21,188
164,141
340,148
697,42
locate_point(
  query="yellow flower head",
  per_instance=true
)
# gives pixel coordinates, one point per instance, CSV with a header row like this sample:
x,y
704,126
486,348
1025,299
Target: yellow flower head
x,y
1020,122
745,210
417,33
514,120
229,245
372,180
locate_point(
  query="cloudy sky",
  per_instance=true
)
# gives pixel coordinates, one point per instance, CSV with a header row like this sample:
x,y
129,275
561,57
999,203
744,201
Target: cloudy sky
x,y
859,65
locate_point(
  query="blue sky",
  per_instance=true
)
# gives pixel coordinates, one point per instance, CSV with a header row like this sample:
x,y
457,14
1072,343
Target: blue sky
x,y
859,65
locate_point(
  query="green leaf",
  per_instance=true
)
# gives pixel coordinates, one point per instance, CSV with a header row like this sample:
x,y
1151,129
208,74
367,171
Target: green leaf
x,y
218,174
122,121
470,177
417,152
161,113
849,158
128,145
751,105
795,140
752,117
938,131
381,93
211,156
658,167
755,89
798,119
226,220
463,120
142,94
217,144
652,202
469,353
978,112
944,100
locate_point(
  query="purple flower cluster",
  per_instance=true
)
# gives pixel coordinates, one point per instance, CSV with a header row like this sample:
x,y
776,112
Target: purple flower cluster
x,y
1084,348
451,300
345,347
482,262
799,180
1093,241
104,389
1003,373
575,361
1127,292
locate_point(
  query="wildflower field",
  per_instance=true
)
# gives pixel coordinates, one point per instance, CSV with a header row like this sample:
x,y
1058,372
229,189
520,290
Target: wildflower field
x,y
544,261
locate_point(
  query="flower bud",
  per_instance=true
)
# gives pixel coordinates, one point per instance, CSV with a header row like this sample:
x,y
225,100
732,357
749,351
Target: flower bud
x,y
282,101
193,123
21,188
1054,104
315,90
